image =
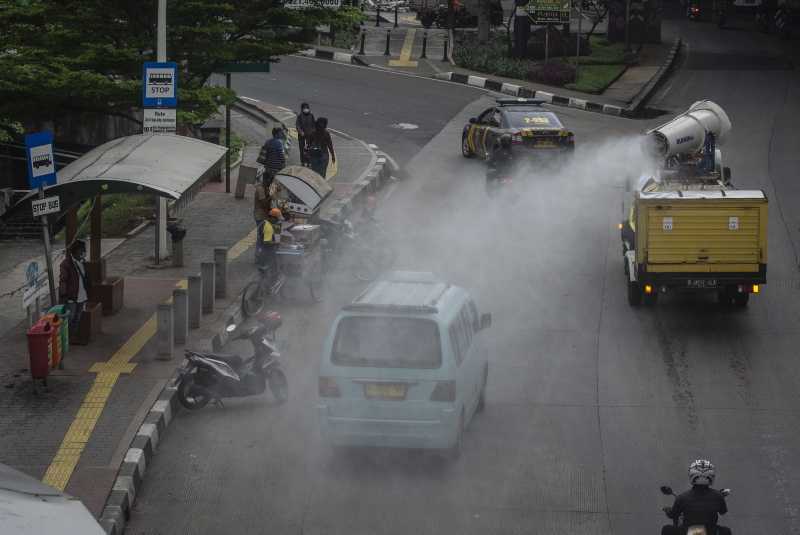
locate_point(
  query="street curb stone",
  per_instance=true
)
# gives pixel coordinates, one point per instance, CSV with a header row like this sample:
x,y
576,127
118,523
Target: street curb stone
x,y
524,92
144,445
647,91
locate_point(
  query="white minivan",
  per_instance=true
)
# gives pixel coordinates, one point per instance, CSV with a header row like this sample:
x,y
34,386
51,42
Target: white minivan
x,y
405,365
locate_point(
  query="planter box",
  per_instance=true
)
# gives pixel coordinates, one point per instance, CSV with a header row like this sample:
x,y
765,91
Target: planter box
x,y
110,293
90,324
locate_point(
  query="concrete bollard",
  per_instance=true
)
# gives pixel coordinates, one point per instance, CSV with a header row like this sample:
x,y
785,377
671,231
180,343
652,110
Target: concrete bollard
x,y
195,301
221,272
180,315
165,338
247,175
207,273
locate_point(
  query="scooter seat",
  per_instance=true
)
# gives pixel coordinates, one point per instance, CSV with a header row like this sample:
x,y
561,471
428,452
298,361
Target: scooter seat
x,y
232,360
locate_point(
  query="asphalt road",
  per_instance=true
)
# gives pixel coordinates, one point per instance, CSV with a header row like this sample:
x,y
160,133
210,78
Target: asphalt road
x,y
591,405
400,114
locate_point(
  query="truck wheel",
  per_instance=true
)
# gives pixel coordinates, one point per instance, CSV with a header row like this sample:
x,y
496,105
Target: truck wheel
x,y
634,294
651,298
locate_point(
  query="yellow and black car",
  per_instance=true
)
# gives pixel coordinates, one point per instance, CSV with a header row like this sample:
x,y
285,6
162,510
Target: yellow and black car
x,y
530,126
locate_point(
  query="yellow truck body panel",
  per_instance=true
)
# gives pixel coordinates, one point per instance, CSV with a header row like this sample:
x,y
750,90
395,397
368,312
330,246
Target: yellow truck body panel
x,y
701,232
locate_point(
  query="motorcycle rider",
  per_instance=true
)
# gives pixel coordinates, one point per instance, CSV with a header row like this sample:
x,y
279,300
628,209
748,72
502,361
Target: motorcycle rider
x,y
501,163
699,505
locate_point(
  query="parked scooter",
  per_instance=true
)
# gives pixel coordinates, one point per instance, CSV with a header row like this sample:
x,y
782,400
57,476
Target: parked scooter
x,y
690,530
212,376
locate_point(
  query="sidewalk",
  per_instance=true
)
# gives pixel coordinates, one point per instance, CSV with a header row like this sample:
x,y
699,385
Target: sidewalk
x,y
77,434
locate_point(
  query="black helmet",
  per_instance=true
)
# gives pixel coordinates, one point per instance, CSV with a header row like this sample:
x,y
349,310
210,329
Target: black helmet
x,y
505,141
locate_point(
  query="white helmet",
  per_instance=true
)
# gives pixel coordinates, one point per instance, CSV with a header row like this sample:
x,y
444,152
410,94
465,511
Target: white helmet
x,y
701,472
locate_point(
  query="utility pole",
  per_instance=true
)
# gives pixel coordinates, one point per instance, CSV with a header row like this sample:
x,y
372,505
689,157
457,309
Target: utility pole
x,y
161,202
627,25
578,43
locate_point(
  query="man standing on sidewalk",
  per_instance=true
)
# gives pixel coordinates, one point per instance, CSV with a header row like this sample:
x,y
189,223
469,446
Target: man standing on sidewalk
x,y
272,155
262,203
305,127
73,283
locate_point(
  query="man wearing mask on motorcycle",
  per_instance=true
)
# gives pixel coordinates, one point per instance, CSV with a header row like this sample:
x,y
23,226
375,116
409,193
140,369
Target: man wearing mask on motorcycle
x,y
700,505
501,163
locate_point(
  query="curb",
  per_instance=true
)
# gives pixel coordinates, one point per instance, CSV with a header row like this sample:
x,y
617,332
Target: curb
x,y
341,57
647,91
519,91
117,510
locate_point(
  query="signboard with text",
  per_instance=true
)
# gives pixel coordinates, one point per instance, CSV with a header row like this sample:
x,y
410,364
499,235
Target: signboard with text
x,y
160,85
549,11
306,4
41,163
48,205
159,121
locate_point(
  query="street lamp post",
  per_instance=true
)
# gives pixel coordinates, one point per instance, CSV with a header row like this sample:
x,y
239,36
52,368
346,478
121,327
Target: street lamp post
x,y
161,202
627,25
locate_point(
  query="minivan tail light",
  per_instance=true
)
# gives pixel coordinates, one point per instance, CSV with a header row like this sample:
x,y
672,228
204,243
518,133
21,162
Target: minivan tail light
x,y
444,391
328,388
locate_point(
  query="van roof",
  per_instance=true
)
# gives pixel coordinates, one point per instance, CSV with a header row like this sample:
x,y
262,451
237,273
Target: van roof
x,y
402,292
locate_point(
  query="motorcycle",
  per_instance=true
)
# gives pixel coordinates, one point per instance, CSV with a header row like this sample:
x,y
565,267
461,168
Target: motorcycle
x,y
207,377
690,530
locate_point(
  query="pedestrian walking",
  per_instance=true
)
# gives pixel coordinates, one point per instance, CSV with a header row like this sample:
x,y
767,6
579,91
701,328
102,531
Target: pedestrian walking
x,y
73,283
305,127
273,155
320,147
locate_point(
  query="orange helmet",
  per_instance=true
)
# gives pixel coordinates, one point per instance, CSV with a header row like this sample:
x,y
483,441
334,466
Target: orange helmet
x,y
276,213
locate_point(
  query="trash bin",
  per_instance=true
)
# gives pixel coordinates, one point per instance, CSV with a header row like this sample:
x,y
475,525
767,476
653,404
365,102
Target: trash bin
x,y
55,332
63,313
40,349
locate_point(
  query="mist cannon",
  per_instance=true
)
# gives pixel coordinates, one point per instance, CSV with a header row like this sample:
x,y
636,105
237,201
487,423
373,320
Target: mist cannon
x,y
688,132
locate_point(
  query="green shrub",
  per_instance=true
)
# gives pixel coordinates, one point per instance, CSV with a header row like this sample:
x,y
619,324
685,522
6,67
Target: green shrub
x,y
554,73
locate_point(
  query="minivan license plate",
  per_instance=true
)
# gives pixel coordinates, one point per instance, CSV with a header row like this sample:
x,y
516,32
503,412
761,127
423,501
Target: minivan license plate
x,y
385,391
701,283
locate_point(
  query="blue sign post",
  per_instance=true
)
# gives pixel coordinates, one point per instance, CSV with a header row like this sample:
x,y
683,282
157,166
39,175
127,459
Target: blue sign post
x,y
41,164
41,173
160,84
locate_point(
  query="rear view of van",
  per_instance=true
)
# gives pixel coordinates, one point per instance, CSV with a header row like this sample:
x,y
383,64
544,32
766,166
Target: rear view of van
x,y
404,366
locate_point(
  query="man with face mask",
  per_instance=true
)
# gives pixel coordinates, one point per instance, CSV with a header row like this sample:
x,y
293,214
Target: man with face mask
x,y
305,127
73,283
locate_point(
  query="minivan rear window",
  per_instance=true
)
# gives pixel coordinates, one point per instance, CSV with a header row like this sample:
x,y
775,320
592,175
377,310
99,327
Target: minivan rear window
x,y
387,342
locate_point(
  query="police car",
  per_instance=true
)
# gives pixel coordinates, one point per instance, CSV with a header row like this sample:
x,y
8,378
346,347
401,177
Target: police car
x,y
530,126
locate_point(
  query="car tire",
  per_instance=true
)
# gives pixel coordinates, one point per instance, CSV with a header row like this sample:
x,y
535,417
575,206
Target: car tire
x,y
455,451
482,399
466,152
634,294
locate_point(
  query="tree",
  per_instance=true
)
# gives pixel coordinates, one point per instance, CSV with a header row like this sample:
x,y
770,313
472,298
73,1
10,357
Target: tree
x,y
484,21
61,56
597,11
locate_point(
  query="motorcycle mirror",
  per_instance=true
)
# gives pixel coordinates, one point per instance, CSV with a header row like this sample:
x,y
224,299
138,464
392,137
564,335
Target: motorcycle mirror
x,y
230,328
666,490
725,492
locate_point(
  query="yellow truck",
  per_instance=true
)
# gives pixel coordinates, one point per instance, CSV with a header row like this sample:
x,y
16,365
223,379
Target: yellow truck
x,y
688,228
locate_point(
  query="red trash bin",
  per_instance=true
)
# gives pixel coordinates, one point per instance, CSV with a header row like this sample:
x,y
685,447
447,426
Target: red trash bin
x,y
40,348
55,323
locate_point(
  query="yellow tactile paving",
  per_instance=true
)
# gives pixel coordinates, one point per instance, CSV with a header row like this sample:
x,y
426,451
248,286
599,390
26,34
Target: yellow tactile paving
x,y
242,245
405,52
80,430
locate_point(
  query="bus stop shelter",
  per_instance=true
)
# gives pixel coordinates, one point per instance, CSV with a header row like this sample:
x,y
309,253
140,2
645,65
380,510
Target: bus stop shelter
x,y
163,165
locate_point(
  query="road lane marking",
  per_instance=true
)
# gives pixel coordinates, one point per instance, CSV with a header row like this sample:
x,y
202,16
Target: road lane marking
x,y
333,169
405,52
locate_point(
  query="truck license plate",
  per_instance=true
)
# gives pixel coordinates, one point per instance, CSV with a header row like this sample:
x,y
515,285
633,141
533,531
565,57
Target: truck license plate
x,y
701,283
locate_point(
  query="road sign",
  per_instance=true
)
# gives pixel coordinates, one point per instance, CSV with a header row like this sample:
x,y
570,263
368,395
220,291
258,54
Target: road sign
x,y
160,121
41,164
40,287
245,67
48,205
307,4
160,84
549,11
